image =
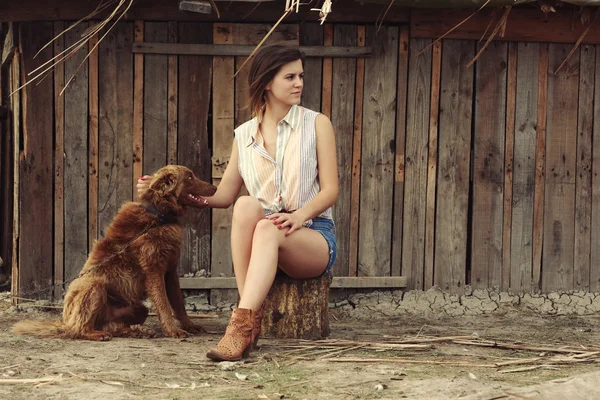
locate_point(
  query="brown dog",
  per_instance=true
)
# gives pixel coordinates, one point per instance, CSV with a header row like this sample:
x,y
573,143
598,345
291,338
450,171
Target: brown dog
x,y
125,267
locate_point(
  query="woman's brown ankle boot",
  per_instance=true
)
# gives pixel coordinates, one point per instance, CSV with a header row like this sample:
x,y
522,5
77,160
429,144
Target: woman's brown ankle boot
x,y
256,326
237,341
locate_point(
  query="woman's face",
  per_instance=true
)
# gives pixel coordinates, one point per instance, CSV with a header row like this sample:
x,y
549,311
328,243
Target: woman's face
x,y
286,86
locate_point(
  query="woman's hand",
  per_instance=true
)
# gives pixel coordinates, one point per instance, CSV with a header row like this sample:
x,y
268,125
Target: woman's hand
x,y
143,183
293,221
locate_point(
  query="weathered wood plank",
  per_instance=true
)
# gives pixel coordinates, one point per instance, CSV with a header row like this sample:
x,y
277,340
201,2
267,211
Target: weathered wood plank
x,y
342,113
167,10
93,145
583,177
156,81
6,178
595,230
521,240
327,72
451,233
36,169
416,159
400,141
377,170
15,106
223,126
432,163
138,106
172,103
76,157
540,165
561,153
7,151
195,74
311,34
115,126
6,170
59,151
356,157
523,25
509,148
340,51
488,178
339,282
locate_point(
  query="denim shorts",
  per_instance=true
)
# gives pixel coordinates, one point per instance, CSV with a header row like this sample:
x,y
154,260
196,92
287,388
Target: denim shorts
x,y
326,227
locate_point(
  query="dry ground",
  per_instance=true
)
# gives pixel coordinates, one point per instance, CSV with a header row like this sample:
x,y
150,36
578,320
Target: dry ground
x,y
351,366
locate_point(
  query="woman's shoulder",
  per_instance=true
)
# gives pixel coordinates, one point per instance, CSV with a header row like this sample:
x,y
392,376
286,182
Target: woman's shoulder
x,y
315,114
246,128
309,112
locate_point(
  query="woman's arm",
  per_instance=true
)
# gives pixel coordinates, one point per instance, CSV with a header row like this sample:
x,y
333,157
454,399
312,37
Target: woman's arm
x,y
229,187
328,170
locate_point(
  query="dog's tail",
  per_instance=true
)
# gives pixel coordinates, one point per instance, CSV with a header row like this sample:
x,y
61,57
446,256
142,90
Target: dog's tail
x,y
46,329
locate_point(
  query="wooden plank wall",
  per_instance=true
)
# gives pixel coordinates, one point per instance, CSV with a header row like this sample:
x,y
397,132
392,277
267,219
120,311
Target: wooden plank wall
x,y
449,175
378,149
6,170
193,151
35,167
454,162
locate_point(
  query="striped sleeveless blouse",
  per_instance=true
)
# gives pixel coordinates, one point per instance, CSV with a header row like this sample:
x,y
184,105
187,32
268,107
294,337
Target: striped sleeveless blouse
x,y
291,180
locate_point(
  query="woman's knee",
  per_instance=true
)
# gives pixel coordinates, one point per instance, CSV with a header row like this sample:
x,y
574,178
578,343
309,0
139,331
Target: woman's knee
x,y
247,210
265,229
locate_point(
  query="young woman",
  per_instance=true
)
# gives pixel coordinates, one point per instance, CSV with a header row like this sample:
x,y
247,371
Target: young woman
x,y
286,157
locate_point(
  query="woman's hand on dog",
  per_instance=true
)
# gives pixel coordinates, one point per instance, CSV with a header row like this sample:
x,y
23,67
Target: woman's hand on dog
x,y
143,183
293,221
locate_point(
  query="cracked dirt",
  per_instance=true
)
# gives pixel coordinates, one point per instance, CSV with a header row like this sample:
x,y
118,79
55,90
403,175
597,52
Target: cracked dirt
x,y
361,360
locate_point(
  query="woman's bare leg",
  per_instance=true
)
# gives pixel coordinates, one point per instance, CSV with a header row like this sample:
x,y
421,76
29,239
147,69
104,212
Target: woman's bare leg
x,y
247,212
303,254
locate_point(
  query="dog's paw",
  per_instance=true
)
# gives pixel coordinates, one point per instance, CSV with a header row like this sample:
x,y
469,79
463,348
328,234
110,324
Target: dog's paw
x,y
193,329
176,333
144,331
99,336
137,331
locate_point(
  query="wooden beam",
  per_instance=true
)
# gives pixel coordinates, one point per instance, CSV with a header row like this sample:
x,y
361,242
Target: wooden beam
x,y
327,71
523,25
540,165
138,107
202,7
509,150
93,144
244,50
59,165
356,156
15,105
172,96
167,10
432,165
339,282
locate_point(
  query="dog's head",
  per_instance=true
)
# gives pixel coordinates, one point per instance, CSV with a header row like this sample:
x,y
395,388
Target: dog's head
x,y
174,187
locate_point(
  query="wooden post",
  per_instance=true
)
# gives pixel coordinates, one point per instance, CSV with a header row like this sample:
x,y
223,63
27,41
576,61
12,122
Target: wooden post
x,y
297,308
138,107
15,70
59,165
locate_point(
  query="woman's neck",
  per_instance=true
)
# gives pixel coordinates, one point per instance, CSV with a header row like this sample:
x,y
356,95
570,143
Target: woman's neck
x,y
275,112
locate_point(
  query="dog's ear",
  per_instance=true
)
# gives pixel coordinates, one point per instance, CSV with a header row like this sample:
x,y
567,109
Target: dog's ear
x,y
164,184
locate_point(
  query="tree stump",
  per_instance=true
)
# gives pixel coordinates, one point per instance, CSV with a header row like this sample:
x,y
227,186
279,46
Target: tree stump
x,y
297,308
